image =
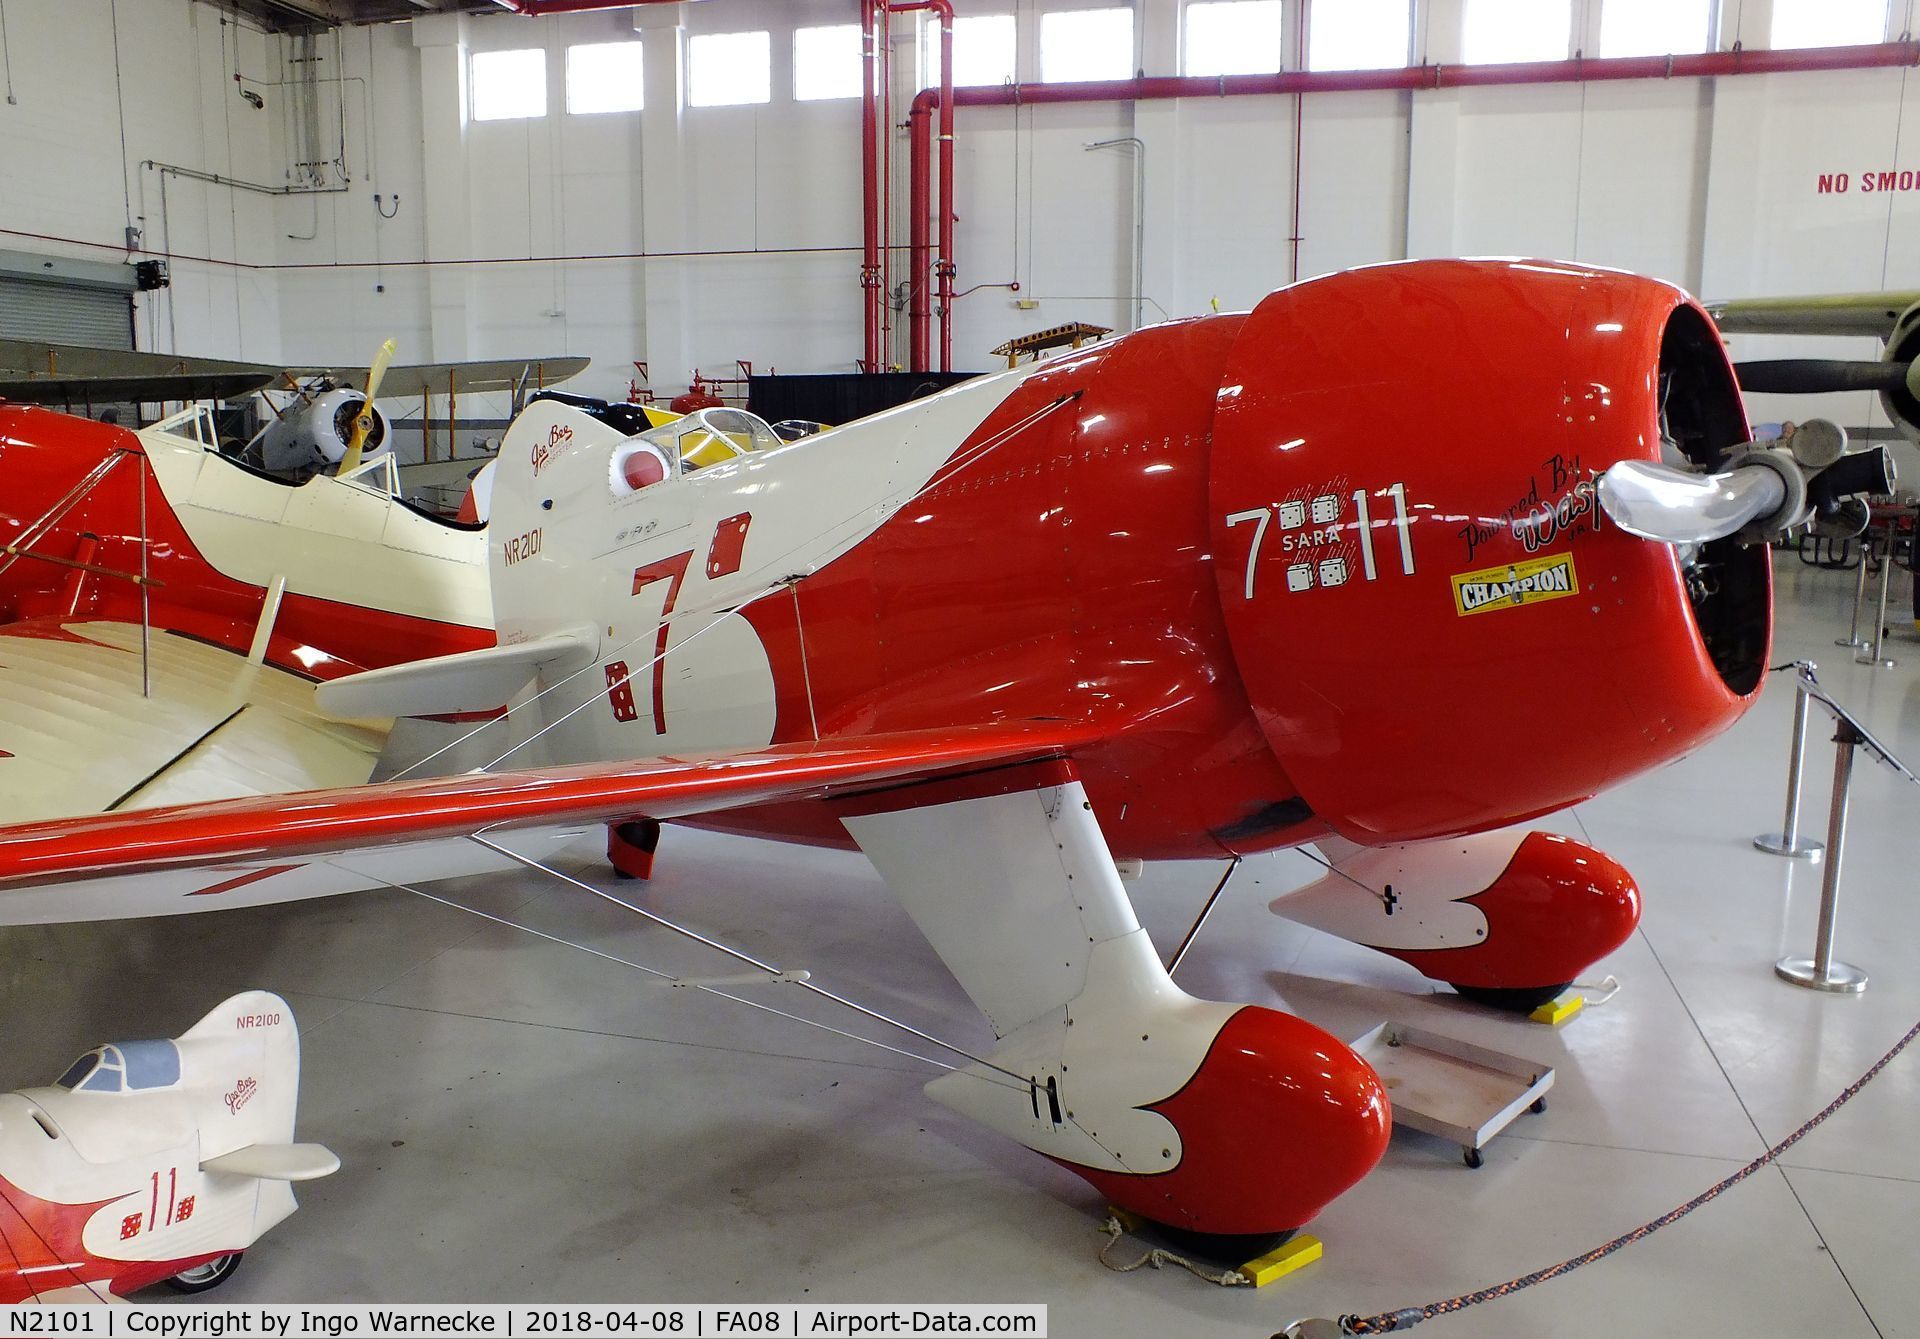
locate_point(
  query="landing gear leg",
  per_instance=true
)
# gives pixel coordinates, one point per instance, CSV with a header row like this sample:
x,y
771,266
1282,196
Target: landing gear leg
x,y
630,848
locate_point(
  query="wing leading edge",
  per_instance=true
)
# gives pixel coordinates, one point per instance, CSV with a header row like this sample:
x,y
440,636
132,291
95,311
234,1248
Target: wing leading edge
x,y
282,847
1873,314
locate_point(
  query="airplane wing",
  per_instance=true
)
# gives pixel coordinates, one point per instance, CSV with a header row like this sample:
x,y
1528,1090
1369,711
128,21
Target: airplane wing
x,y
36,372
1817,314
421,379
69,390
282,847
78,735
22,359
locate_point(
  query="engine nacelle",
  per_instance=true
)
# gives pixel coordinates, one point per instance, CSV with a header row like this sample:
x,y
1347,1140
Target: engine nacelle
x,y
314,436
1435,620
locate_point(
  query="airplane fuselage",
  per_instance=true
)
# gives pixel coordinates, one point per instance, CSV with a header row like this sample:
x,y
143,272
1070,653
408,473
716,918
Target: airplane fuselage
x,y
1220,536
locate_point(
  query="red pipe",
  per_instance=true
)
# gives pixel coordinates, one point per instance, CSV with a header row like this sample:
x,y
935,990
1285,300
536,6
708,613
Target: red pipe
x,y
918,249
873,298
925,269
946,268
1707,64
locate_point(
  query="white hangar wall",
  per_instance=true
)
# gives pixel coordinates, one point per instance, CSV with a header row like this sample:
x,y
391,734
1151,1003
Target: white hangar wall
x,y
1715,184
94,90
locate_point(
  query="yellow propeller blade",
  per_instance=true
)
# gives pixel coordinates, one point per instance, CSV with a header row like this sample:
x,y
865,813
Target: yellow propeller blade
x,y
363,424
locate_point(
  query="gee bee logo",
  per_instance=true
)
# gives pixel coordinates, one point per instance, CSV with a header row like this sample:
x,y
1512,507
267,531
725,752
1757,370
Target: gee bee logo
x,y
1533,581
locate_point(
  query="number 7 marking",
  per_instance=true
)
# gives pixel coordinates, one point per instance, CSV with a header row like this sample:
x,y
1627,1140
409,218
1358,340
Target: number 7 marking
x,y
1259,517
672,571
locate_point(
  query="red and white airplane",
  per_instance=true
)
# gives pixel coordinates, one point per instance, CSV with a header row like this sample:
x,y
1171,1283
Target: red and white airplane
x,y
1404,557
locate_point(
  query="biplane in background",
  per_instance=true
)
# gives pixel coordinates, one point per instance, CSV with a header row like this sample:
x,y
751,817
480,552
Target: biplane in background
x,y
310,413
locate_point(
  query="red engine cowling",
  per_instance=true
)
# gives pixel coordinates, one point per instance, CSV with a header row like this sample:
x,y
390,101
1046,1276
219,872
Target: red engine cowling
x,y
1438,627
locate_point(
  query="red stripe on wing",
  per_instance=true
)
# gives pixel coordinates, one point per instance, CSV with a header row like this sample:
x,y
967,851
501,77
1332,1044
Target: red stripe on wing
x,y
242,880
392,813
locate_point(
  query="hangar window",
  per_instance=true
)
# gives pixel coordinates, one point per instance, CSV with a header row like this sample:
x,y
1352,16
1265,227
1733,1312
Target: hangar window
x,y
1500,31
827,62
604,77
1233,37
729,69
1654,27
1077,45
1360,35
1804,23
984,50
509,85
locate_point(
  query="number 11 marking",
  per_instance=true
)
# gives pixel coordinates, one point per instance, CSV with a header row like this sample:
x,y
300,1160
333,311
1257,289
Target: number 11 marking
x,y
1398,492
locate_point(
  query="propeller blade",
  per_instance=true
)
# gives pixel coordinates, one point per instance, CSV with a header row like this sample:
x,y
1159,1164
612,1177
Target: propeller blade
x,y
1813,376
1677,506
363,422
377,373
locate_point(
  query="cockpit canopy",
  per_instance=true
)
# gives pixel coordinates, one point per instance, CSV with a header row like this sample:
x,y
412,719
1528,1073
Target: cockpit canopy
x,y
124,1067
703,438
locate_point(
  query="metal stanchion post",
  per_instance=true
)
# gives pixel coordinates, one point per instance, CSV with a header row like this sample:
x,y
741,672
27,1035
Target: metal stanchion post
x,y
1821,972
1787,841
1859,595
1873,657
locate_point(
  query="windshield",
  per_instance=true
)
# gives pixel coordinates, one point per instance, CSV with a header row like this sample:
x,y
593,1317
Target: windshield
x,y
710,436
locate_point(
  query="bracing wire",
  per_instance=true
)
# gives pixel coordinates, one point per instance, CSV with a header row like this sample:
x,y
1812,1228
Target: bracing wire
x,y
654,972
892,501
730,607
745,958
627,678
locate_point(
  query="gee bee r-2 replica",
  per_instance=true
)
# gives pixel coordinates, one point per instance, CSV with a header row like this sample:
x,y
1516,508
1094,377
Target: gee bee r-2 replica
x,y
1402,558
154,1161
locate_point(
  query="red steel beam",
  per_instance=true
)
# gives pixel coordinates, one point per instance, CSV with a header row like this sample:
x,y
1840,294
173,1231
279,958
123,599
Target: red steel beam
x,y
537,8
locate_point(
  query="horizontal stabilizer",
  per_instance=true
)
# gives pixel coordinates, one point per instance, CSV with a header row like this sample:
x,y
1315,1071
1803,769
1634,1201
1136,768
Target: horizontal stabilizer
x,y
276,1162
466,681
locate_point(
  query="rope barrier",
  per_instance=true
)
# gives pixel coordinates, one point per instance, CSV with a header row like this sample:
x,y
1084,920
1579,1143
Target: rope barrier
x,y
1407,1317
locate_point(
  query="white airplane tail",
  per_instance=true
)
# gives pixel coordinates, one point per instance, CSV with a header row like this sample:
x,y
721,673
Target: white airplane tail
x,y
241,1064
550,500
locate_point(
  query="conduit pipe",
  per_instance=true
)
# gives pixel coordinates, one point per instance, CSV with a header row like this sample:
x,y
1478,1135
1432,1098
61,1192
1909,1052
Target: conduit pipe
x,y
872,296
927,272
1711,64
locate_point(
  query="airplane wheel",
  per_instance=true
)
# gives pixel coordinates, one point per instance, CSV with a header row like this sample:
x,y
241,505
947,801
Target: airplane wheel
x,y
1225,1248
1517,1000
209,1274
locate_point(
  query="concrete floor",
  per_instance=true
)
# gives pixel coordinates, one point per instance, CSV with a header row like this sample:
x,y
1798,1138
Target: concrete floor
x,y
521,1122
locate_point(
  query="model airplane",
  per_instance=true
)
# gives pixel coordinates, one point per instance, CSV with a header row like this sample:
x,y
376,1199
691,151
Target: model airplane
x,y
154,1161
1214,587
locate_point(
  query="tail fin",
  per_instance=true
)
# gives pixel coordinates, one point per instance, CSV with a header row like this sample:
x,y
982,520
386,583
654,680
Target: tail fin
x,y
241,1065
551,514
